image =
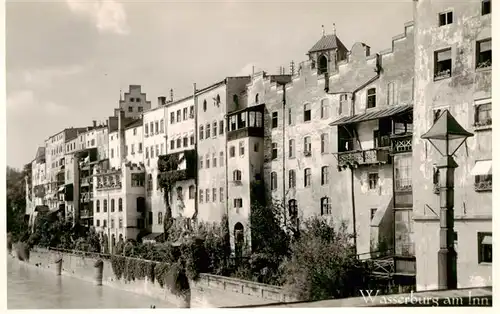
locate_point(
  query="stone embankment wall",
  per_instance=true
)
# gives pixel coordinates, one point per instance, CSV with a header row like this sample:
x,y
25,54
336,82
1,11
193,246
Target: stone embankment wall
x,y
208,291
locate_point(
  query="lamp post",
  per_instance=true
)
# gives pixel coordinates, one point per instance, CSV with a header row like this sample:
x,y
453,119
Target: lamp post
x,y
446,135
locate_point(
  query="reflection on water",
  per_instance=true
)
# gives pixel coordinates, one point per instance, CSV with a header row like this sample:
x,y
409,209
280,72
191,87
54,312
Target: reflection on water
x,y
32,288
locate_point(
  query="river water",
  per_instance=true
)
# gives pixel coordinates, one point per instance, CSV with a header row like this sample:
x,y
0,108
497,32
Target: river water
x,y
31,288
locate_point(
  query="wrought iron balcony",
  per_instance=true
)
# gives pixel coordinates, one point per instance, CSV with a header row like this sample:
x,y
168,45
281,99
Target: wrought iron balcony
x,y
401,143
363,157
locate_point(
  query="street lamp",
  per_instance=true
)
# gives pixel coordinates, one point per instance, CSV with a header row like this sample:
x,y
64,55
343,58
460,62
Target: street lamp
x,y
447,135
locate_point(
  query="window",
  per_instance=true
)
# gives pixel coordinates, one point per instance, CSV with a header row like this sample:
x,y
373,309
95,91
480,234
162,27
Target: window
x,y
372,180
236,175
483,115
307,177
185,113
485,247
372,213
485,7
293,209
275,120
324,143
442,64
156,127
371,98
179,143
292,180
120,223
191,112
242,148
172,144
179,193
201,162
242,121
232,123
139,109
172,118
105,206
205,105
402,173
112,205
343,109
232,151
238,203
325,114
274,181
307,112
207,131
214,195
217,99
191,192
215,129
201,196
257,98
130,109
307,146
483,54
221,127
104,223
120,205
201,132
326,207
221,159
274,151
160,218
445,18
256,147
151,127
324,175
207,158
290,116
390,94
291,148
185,141
191,139
207,195
235,100
98,223
97,206
221,192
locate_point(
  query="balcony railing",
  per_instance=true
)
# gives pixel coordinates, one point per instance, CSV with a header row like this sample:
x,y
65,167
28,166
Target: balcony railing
x,y
363,157
401,143
87,197
108,185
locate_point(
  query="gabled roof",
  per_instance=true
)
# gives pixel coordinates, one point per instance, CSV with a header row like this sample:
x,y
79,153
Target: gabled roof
x,y
327,42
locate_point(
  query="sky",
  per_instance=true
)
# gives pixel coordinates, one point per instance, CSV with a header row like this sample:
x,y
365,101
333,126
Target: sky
x,y
67,60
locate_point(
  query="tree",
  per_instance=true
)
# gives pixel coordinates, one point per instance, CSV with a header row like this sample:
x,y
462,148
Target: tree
x,y
16,201
323,263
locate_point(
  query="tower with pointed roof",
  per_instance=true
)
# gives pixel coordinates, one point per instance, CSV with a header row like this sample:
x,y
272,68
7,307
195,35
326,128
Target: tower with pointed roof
x,y
327,52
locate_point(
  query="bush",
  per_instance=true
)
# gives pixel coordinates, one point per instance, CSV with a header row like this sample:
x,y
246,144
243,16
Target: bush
x,y
160,272
323,263
118,265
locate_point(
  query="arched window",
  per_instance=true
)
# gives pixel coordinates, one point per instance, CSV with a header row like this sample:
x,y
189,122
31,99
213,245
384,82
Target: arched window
x,y
236,175
326,207
120,204
325,114
105,206
274,181
239,239
205,105
235,100
323,64
97,206
179,193
160,218
257,98
192,191
112,205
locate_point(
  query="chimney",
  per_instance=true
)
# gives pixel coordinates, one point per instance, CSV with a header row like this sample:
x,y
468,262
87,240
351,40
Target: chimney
x,y
162,100
323,30
334,30
171,95
94,123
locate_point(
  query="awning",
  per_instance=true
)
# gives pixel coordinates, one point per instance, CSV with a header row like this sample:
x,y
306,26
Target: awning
x,y
482,168
487,240
373,115
152,236
60,189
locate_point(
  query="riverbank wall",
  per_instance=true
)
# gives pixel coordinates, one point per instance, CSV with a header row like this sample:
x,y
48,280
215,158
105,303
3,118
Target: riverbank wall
x,y
208,291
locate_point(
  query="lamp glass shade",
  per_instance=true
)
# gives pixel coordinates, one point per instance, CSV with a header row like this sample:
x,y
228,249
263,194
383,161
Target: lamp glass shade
x,y
446,134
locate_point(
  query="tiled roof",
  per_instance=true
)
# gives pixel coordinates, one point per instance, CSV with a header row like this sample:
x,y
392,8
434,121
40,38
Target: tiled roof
x,y
327,42
373,115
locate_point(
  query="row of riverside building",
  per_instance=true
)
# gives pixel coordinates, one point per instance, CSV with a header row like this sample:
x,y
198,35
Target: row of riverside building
x,y
340,137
